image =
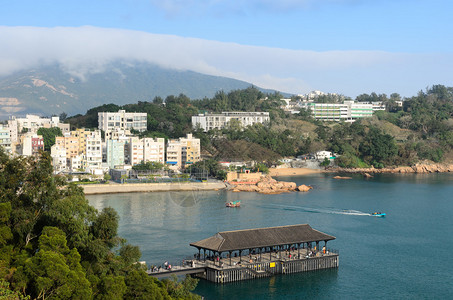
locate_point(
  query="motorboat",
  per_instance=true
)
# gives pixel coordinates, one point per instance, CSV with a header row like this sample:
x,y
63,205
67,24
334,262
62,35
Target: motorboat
x,y
378,214
233,204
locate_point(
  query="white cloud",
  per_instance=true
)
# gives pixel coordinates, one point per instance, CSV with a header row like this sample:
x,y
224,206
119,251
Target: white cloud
x,y
85,50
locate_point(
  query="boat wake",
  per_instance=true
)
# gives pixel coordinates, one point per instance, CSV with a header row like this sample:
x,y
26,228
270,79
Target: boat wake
x,y
318,210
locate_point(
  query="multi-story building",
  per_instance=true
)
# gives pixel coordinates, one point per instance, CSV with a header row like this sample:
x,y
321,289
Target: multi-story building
x,y
75,163
219,121
5,138
70,143
183,151
59,160
115,134
190,150
31,123
154,150
122,120
81,134
115,153
93,152
174,153
349,111
31,144
135,149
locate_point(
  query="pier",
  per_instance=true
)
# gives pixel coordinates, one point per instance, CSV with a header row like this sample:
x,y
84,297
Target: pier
x,y
256,253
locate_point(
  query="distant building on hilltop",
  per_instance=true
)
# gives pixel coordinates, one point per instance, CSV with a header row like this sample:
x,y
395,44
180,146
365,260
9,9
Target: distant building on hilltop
x,y
220,121
348,111
122,120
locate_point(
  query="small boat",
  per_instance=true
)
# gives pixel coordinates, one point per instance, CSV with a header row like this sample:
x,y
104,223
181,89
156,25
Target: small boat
x,y
378,214
233,204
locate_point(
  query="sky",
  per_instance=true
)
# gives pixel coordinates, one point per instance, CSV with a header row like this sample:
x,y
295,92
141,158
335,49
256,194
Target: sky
x,y
348,47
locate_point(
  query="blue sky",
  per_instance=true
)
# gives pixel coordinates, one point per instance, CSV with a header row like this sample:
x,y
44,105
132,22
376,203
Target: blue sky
x,y
343,46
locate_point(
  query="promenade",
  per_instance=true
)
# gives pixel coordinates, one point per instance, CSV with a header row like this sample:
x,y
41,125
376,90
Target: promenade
x,y
112,188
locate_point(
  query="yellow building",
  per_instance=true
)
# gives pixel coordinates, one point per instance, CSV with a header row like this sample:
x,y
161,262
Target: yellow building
x,y
81,135
70,143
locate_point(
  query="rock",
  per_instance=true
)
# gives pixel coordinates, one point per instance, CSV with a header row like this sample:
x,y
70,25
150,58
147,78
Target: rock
x,y
367,175
342,177
304,188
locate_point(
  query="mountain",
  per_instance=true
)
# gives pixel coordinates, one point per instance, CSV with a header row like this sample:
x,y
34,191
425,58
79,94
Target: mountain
x,y
50,90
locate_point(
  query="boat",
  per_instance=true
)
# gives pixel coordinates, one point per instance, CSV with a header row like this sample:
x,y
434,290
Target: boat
x,y
233,204
378,214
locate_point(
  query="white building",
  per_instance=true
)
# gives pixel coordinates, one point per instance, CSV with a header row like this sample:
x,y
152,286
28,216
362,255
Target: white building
x,y
174,153
5,138
219,121
135,149
75,163
154,149
321,155
31,123
93,152
31,144
58,154
349,111
122,120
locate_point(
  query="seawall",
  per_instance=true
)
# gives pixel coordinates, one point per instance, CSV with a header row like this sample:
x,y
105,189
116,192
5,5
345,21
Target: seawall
x,y
93,189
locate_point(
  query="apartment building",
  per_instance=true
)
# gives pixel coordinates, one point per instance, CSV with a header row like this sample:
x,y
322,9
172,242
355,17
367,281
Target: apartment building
x,y
154,150
190,150
5,138
31,144
174,153
75,163
183,151
70,143
93,153
122,120
135,148
220,121
115,153
31,123
59,160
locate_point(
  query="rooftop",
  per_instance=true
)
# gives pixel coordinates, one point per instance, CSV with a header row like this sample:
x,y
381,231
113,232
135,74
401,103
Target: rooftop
x,y
261,237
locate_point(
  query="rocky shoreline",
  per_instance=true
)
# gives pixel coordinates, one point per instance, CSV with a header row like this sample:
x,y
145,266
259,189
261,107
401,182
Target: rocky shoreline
x,y
268,185
423,168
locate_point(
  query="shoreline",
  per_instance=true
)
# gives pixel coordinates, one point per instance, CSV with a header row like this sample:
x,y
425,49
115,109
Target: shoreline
x,y
416,169
275,172
116,188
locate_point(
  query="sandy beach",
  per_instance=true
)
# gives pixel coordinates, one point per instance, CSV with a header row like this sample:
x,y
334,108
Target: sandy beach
x,y
292,171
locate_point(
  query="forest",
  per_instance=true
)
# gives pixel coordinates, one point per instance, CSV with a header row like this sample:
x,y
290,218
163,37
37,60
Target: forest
x,y
54,245
420,129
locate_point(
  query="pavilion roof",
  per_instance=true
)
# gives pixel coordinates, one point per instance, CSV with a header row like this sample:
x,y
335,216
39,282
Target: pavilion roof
x,y
262,237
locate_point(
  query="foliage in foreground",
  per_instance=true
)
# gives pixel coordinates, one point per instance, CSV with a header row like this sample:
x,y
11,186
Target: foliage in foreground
x,y
54,245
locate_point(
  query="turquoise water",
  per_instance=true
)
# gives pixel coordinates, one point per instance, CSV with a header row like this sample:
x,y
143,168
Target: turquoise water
x,y
406,255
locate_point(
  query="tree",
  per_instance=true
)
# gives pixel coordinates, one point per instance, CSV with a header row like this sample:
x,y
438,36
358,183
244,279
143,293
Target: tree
x,y
378,148
55,271
107,177
54,245
63,116
48,135
325,163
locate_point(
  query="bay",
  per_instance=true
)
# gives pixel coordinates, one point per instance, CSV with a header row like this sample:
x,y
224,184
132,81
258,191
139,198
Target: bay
x,y
406,255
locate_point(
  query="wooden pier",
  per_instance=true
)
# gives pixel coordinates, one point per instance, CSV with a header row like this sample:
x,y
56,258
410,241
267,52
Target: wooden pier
x,y
268,251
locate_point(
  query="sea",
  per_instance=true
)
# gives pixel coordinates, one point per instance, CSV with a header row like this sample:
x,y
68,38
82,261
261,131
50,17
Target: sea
x,y
408,254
